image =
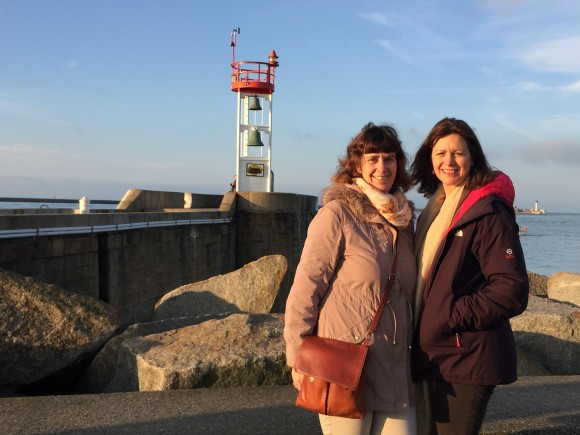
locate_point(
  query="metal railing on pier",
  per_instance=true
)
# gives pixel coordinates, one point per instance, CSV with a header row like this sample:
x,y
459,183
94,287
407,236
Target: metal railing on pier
x,y
93,229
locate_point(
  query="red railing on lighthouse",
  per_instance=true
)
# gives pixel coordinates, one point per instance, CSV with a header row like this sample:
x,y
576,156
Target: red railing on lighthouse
x,y
253,77
248,76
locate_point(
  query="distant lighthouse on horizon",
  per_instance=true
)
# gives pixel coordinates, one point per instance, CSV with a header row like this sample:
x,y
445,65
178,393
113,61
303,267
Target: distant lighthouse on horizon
x,y
536,210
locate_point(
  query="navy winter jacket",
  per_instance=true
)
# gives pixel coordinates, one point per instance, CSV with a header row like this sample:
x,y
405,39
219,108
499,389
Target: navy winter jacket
x,y
477,282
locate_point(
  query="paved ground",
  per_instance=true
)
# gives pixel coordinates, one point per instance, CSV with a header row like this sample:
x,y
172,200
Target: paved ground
x,y
534,405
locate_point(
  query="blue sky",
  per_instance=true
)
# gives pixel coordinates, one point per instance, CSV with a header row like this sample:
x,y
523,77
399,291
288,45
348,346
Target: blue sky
x,y
97,97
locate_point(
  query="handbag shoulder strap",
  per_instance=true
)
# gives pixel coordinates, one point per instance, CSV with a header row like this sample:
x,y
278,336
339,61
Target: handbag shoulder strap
x,y
386,298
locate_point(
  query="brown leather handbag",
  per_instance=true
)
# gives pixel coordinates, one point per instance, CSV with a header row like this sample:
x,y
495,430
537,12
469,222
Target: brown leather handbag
x,y
332,383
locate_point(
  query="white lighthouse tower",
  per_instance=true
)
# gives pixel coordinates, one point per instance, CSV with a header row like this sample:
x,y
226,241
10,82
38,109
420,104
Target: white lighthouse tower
x,y
253,82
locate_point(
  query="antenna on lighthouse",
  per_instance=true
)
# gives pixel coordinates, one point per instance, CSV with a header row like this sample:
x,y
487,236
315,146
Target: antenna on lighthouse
x,y
233,35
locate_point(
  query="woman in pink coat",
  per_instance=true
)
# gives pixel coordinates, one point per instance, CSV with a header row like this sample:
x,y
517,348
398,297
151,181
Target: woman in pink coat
x,y
343,270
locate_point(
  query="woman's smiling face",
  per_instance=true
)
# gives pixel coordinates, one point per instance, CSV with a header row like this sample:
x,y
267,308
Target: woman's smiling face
x,y
451,161
379,170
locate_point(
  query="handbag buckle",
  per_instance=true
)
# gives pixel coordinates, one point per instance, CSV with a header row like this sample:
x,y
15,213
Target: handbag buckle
x,y
392,277
370,338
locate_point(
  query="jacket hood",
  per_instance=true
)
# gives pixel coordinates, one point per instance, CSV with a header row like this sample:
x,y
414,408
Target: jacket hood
x,y
500,186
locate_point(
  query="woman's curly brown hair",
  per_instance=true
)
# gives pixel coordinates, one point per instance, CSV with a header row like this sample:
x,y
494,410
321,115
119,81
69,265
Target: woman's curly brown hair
x,y
373,139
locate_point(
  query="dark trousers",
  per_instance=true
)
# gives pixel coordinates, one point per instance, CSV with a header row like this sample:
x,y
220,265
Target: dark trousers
x,y
458,409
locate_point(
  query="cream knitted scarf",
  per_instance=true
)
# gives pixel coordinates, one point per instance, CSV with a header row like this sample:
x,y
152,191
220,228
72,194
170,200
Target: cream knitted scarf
x,y
394,208
431,227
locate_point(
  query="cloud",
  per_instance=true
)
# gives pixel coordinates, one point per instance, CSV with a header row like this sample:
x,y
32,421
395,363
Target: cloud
x,y
538,36
25,151
573,88
416,43
377,18
26,159
399,52
20,159
529,87
561,152
505,121
556,55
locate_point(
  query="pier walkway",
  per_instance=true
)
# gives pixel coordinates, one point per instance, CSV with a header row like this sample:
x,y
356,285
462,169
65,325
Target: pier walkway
x,y
533,405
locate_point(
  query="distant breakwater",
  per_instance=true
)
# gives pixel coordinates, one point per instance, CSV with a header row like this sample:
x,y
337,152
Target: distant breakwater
x,y
55,200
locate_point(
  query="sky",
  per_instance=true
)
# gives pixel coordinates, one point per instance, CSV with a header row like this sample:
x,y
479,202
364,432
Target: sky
x,y
99,97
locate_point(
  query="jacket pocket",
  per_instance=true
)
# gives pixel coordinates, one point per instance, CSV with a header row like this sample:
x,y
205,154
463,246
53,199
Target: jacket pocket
x,y
356,333
434,324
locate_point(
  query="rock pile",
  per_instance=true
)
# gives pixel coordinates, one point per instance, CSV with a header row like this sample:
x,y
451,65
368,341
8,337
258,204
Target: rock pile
x,y
45,329
219,333
216,332
538,284
564,287
548,332
239,350
251,289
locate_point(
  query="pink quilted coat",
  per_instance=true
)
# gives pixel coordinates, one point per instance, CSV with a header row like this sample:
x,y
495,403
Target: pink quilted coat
x,y
343,270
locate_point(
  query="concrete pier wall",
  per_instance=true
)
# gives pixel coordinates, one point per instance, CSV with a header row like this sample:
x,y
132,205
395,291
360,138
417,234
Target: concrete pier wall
x,y
132,258
273,223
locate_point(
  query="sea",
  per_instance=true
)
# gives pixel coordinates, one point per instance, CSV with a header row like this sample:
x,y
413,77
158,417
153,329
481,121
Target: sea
x,y
551,243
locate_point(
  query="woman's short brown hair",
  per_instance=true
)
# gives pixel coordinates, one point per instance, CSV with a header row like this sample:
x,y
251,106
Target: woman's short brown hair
x,y
373,139
422,167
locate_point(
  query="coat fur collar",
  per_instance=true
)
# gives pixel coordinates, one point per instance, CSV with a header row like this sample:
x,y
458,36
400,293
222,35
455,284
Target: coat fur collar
x,y
354,199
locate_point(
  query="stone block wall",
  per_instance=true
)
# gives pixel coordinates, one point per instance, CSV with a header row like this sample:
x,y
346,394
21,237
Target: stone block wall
x,y
268,224
71,261
136,268
133,267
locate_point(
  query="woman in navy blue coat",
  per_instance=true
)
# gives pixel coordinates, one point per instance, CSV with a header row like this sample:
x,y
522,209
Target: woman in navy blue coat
x,y
471,278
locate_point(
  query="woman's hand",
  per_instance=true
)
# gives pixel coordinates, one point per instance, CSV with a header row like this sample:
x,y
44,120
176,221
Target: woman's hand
x,y
297,379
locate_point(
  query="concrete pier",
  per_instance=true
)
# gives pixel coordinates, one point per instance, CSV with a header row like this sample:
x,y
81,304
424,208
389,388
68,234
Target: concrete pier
x,y
153,243
533,405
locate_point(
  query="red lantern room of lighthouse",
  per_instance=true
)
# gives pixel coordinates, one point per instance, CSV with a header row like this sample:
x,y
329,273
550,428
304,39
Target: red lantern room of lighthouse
x,y
253,82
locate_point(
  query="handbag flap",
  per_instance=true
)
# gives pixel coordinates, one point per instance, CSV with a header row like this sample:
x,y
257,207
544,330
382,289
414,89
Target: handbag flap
x,y
332,360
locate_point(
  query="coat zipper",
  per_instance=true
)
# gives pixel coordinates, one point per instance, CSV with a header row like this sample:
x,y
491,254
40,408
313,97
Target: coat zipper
x,y
439,253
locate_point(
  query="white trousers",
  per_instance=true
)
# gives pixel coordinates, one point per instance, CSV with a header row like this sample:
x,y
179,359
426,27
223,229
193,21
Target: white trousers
x,y
373,423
